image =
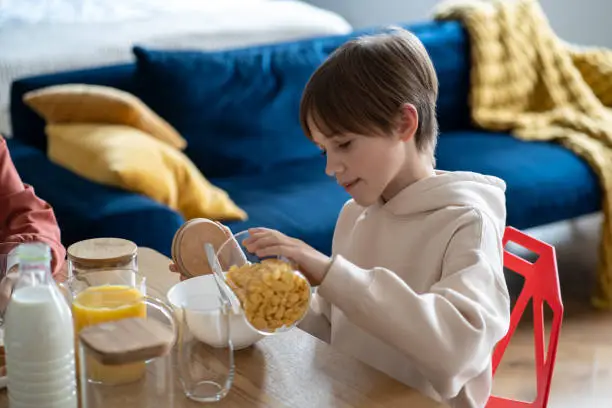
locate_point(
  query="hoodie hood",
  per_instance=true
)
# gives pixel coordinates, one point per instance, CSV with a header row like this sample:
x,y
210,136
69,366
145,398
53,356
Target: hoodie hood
x,y
452,189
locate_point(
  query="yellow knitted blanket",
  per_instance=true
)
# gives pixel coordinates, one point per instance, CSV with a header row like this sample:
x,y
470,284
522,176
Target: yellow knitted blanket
x,y
526,80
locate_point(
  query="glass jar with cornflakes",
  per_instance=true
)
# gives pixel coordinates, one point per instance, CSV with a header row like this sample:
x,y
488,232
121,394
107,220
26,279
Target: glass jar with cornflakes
x,y
274,295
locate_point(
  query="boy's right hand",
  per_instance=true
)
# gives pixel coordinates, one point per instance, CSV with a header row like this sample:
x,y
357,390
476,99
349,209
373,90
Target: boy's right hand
x,y
173,268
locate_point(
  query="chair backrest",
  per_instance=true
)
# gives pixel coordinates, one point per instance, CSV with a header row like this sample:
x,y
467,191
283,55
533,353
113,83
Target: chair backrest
x,y
541,286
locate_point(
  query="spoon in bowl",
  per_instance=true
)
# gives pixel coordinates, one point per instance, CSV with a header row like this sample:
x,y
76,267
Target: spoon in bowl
x,y
226,291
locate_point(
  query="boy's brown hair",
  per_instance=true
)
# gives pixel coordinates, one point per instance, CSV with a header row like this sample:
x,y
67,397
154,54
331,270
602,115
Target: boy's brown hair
x,y
364,83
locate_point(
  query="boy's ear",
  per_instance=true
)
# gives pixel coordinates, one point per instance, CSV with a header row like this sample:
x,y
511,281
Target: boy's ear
x,y
409,122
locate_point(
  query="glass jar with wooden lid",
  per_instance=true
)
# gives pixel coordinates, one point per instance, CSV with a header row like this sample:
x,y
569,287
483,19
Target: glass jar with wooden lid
x,y
101,253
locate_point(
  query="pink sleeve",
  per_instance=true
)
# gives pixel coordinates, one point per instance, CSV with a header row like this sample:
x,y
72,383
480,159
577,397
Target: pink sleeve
x,y
24,217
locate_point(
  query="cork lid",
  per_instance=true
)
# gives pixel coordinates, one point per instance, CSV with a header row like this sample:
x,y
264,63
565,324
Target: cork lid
x,y
188,245
102,251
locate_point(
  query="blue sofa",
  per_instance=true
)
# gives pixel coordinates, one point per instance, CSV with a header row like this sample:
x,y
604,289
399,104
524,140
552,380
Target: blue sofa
x,y
238,110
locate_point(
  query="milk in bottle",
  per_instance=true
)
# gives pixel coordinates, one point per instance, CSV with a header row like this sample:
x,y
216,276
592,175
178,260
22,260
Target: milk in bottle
x,y
39,336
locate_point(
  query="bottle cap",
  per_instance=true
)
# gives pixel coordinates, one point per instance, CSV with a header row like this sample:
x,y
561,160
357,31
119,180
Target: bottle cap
x,y
33,252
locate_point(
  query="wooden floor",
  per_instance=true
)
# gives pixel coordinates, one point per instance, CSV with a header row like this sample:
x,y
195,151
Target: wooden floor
x,y
583,370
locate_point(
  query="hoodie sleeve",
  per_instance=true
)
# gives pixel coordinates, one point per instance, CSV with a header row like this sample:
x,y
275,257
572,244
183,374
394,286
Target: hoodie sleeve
x,y
318,320
23,216
450,331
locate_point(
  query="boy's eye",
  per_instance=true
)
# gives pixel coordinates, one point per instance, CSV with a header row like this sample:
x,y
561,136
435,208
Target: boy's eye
x,y
345,145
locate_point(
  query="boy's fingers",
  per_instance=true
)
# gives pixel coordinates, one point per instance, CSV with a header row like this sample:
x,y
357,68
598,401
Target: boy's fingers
x,y
260,230
253,243
173,268
263,233
273,250
253,239
268,240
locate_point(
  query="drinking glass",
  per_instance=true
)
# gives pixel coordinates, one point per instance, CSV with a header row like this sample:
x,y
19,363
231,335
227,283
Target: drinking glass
x,y
154,386
106,295
204,351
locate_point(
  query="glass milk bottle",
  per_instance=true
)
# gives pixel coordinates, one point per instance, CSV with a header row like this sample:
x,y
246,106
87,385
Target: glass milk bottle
x,y
39,336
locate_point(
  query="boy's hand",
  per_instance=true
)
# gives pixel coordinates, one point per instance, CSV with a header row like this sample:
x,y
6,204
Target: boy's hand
x,y
265,242
173,268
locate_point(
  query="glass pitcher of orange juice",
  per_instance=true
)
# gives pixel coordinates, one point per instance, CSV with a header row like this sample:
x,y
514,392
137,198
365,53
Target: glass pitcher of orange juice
x,y
111,294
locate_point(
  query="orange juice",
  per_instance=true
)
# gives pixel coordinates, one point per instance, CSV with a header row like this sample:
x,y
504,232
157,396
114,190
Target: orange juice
x,y
99,304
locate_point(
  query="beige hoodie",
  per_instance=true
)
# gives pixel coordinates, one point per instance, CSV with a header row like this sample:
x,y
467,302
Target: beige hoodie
x,y
416,286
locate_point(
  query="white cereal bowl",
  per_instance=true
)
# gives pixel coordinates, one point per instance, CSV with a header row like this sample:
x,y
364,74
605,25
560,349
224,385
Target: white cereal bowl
x,y
200,290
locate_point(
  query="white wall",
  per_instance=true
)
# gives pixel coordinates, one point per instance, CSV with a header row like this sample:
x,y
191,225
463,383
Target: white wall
x,y
580,21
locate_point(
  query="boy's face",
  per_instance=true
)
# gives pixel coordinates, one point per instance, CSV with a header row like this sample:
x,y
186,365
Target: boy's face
x,y
366,166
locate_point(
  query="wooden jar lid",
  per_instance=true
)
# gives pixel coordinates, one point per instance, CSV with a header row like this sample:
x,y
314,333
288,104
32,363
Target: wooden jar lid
x,y
102,251
188,251
127,340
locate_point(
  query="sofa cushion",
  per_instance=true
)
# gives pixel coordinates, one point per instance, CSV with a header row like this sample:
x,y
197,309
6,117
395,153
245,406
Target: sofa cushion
x,y
297,199
128,158
83,103
29,127
446,43
545,181
239,108
87,210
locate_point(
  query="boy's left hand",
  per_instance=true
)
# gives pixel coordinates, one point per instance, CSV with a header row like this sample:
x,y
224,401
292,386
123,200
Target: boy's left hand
x,y
265,242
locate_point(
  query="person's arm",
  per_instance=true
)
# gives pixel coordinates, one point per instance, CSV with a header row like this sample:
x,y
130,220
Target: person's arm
x,y
449,332
318,320
24,217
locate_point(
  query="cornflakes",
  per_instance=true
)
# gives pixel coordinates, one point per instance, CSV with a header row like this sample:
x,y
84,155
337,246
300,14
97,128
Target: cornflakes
x,y
271,294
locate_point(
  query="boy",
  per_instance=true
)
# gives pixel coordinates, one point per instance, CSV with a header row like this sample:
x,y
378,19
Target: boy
x,y
415,284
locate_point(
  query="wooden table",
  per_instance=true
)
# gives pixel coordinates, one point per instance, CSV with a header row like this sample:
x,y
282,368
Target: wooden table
x,y
292,370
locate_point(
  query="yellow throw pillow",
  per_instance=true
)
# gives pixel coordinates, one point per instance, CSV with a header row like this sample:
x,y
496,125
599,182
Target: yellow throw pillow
x,y
128,158
81,103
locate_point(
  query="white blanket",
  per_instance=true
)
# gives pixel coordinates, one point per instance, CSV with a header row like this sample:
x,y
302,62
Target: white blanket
x,y
38,47
101,11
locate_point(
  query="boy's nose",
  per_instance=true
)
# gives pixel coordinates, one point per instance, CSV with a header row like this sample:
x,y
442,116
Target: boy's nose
x,y
333,167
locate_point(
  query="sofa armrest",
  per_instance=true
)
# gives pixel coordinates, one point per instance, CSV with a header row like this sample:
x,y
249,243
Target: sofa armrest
x,y
85,209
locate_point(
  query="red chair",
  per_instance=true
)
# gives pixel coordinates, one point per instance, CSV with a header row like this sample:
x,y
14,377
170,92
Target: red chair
x,y
541,285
